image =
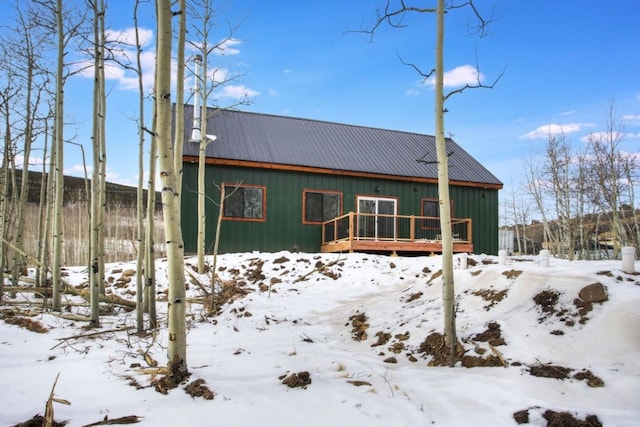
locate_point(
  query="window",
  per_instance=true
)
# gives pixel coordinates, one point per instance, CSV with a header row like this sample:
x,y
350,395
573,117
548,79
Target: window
x,y
320,206
244,202
377,217
431,207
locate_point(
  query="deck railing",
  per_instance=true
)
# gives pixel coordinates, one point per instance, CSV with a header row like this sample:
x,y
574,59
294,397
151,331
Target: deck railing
x,y
394,228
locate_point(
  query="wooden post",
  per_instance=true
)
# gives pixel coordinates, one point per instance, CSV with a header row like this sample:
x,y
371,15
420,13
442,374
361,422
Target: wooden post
x,y
412,228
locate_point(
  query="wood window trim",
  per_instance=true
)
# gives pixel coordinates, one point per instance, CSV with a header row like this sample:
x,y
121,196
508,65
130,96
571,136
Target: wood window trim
x,y
433,199
377,196
242,219
304,204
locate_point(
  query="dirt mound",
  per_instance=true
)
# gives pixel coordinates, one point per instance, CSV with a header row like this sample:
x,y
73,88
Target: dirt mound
x,y
359,326
558,419
197,388
493,335
436,346
294,380
563,373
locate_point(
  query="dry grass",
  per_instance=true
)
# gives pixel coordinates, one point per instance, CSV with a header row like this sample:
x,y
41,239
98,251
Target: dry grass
x,y
120,230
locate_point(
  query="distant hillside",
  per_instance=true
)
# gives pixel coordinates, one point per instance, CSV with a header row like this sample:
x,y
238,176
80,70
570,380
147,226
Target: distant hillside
x,y
75,190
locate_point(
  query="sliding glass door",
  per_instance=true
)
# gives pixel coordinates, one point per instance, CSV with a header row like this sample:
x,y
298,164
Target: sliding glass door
x,y
378,218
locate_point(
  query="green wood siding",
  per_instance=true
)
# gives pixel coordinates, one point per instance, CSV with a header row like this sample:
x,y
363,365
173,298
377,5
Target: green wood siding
x,y
284,228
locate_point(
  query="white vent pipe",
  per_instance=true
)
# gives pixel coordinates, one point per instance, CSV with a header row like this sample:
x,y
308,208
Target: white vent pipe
x,y
197,96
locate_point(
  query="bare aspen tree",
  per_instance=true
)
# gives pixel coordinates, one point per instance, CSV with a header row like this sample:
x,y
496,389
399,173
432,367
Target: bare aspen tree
x,y
96,272
607,172
202,141
393,16
42,266
208,79
58,168
630,173
177,346
150,242
557,169
64,35
139,191
8,96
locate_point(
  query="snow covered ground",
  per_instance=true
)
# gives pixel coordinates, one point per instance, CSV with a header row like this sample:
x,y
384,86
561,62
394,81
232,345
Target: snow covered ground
x,y
358,325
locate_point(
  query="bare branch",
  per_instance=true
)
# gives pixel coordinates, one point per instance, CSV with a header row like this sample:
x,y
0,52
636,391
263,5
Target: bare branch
x,y
424,76
392,16
478,85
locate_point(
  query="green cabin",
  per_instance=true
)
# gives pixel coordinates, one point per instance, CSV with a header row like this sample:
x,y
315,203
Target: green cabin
x,y
312,186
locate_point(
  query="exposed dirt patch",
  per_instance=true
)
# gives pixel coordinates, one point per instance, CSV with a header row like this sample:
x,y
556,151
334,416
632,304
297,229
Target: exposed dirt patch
x,y
550,371
414,297
436,346
255,275
558,419
359,326
359,383
281,260
591,379
491,295
294,380
231,290
490,361
493,335
198,388
512,274
383,338
563,373
38,421
565,419
549,305
12,318
171,380
435,275
547,300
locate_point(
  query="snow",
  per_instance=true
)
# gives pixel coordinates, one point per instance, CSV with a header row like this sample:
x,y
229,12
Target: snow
x,y
306,325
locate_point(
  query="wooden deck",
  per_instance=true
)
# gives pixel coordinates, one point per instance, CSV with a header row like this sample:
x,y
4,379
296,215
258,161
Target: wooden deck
x,y
356,232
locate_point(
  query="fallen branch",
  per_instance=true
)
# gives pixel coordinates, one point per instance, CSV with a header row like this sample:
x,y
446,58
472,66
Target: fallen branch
x,y
48,411
497,353
110,299
129,419
89,335
317,269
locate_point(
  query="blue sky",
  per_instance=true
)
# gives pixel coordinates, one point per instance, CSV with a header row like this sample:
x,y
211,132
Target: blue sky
x,y
564,63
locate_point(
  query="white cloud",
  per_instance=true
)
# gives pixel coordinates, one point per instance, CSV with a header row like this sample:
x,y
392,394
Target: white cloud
x,y
631,118
459,76
609,136
128,36
545,131
228,47
412,92
237,92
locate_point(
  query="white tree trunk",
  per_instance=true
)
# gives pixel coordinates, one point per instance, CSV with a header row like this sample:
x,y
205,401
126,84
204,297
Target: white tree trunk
x,y
448,292
59,165
177,346
140,193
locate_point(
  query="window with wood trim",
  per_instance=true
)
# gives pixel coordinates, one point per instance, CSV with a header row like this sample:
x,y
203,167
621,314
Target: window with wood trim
x,y
431,208
244,202
319,206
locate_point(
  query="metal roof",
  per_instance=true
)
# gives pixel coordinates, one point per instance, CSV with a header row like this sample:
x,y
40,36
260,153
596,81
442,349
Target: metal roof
x,y
266,138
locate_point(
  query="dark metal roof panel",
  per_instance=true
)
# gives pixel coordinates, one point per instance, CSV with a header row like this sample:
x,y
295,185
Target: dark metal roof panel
x,y
303,142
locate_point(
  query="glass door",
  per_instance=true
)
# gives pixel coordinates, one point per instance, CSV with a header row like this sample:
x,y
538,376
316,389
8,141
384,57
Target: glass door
x,y
374,222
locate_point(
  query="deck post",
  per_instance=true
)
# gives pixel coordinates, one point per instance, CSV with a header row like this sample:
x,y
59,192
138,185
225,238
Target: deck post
x,y
412,228
350,232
